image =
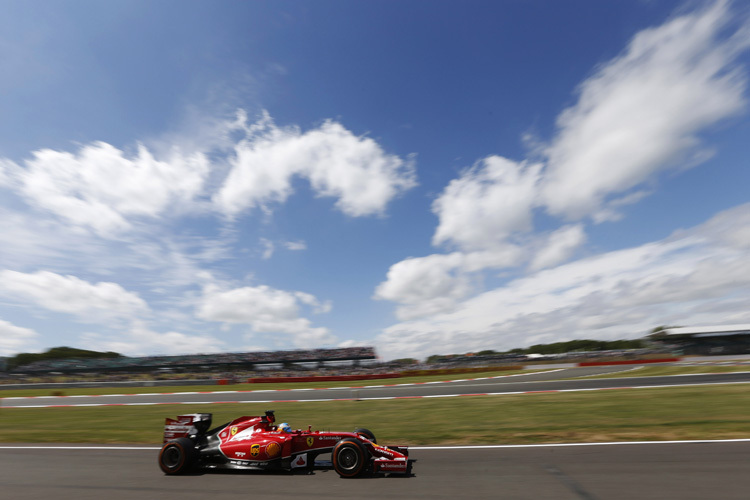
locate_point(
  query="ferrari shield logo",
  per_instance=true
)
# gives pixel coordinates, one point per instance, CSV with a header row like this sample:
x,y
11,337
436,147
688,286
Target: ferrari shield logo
x,y
234,431
254,450
310,441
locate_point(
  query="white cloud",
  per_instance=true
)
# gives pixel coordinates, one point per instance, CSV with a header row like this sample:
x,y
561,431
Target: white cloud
x,y
685,279
425,285
104,189
434,284
28,239
636,116
72,295
730,228
312,301
479,213
295,245
165,258
612,213
559,247
268,248
486,204
641,113
338,164
101,188
8,173
266,310
14,339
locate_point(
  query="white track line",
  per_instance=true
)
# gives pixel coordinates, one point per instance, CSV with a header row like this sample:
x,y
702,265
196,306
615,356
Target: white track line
x,y
618,372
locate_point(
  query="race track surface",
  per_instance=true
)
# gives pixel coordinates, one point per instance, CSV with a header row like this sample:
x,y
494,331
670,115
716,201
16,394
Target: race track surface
x,y
684,471
533,382
703,471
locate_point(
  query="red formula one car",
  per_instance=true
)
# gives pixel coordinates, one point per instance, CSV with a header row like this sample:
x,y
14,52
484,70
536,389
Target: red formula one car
x,y
256,443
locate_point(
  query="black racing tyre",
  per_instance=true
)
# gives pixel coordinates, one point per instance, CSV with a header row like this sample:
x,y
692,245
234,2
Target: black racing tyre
x,y
350,458
366,433
178,456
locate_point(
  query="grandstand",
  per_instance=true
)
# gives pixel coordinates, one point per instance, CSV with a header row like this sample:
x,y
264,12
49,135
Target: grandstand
x,y
197,362
706,340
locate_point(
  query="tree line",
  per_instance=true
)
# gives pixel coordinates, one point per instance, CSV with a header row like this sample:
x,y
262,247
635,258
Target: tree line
x,y
26,358
584,345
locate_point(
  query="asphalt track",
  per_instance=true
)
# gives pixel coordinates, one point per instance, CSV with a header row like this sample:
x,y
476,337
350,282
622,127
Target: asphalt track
x,y
684,471
526,383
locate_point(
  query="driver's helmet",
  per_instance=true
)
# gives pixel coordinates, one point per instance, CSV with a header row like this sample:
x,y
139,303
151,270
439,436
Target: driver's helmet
x,y
284,427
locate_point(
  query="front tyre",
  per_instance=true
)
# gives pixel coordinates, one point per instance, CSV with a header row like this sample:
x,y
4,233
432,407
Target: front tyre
x,y
349,458
178,456
366,433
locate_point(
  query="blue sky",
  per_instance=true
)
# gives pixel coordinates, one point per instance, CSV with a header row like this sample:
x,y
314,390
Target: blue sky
x,y
423,177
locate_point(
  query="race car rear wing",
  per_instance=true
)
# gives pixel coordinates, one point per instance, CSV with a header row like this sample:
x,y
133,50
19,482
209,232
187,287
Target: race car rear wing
x,y
186,426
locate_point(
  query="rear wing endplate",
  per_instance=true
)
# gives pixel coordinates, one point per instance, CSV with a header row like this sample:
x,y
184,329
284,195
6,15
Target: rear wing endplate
x,y
186,426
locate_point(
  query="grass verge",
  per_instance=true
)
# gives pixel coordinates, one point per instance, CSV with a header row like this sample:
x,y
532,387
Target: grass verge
x,y
716,412
659,371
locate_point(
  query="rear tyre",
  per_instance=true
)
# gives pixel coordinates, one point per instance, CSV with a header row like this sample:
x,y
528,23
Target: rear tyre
x,y
367,433
349,458
178,456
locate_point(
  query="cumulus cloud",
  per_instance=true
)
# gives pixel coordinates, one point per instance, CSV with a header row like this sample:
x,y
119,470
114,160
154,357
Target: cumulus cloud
x,y
102,188
72,295
106,190
687,278
486,204
108,204
354,170
266,310
425,285
559,246
479,212
641,113
15,339
436,283
482,213
635,117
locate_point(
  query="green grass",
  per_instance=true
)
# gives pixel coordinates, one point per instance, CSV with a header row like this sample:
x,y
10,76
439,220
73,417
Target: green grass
x,y
76,391
714,412
657,371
